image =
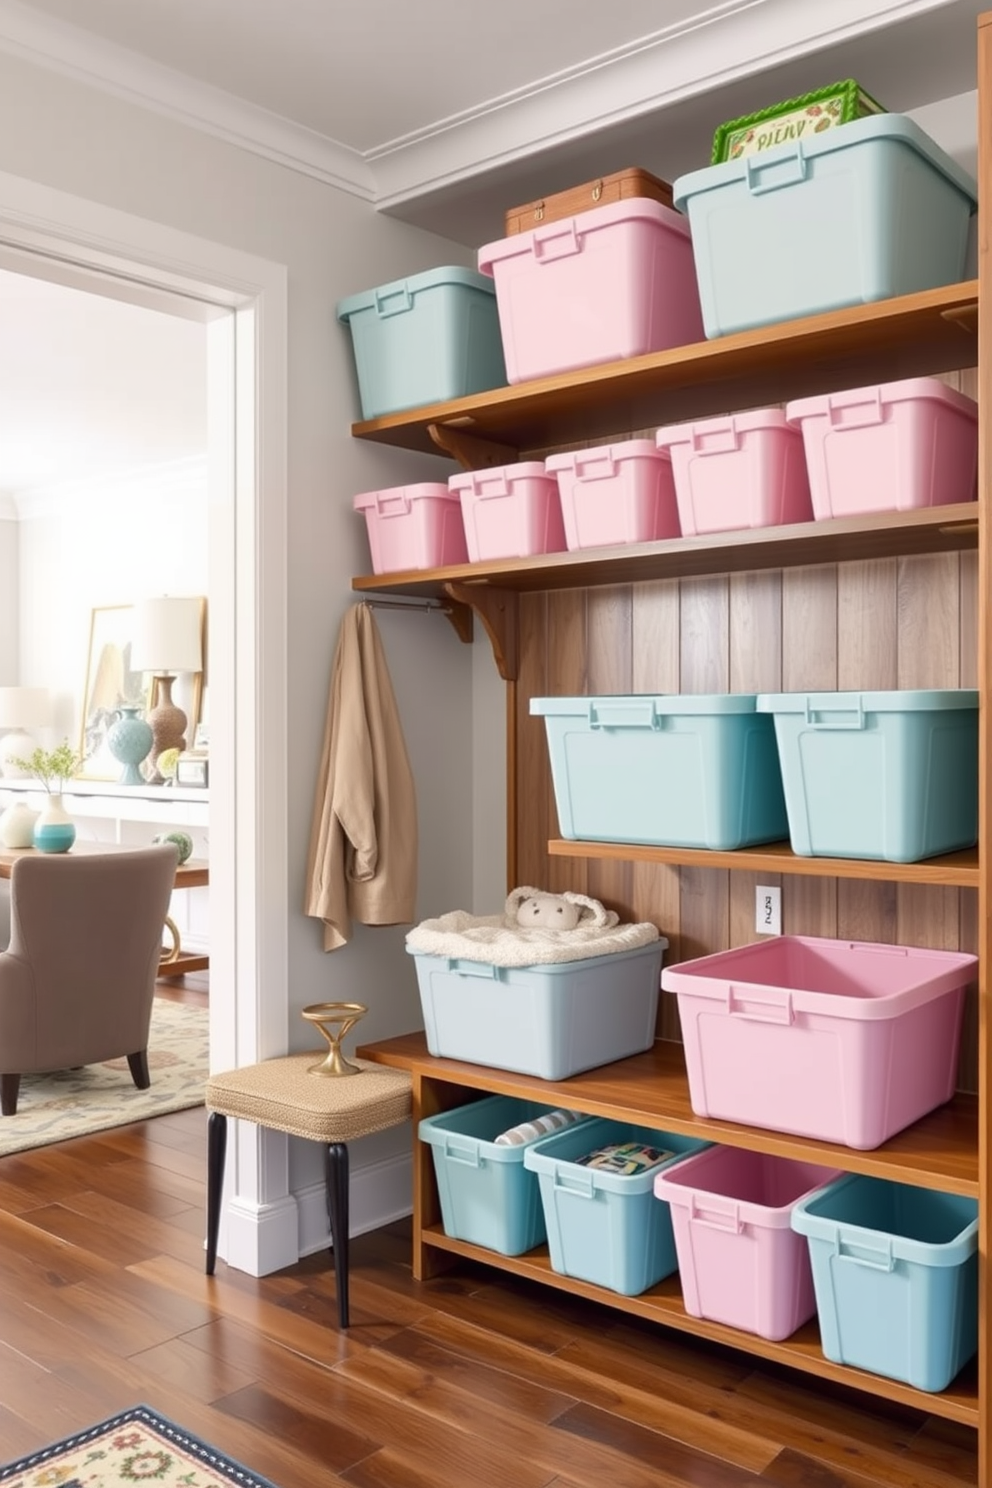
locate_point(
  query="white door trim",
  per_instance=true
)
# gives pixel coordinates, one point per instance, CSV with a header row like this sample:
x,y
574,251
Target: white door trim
x,y
54,234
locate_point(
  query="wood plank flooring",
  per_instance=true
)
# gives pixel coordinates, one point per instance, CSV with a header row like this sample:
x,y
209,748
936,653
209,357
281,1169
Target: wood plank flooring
x,y
473,1380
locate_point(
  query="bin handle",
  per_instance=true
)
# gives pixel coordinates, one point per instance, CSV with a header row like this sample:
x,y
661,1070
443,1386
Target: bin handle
x,y
720,436
558,241
832,716
604,467
402,297
714,1216
860,415
777,1005
581,1183
787,169
397,505
878,950
878,1258
469,1155
641,713
484,487
488,971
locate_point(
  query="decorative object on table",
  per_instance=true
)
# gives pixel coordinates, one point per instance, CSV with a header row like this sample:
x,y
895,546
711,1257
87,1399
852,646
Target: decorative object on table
x,y
168,639
182,840
136,1446
22,709
167,764
193,768
793,120
129,739
54,830
17,825
111,682
334,1019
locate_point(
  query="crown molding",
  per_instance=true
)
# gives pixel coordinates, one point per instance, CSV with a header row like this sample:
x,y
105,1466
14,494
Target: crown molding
x,y
718,46
61,47
100,491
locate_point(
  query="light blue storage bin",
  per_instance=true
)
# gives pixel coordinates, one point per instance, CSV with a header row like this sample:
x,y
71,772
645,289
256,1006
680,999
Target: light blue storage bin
x,y
677,771
884,775
602,1227
862,212
550,1020
895,1272
487,1195
425,339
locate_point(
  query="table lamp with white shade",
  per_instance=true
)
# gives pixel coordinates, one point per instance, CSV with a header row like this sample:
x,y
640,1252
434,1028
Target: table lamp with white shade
x,y
168,639
22,709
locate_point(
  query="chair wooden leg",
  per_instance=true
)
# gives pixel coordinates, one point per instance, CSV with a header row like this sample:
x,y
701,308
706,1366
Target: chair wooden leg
x,y
9,1087
138,1065
216,1153
336,1178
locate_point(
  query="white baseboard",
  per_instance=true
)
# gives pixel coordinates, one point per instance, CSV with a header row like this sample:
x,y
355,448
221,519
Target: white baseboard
x,y
261,1238
378,1193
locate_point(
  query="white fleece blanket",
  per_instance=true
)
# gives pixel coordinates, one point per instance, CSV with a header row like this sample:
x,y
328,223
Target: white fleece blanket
x,y
489,938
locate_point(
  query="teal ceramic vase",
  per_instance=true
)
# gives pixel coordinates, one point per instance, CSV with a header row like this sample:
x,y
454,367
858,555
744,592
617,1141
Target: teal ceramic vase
x,y
129,740
54,831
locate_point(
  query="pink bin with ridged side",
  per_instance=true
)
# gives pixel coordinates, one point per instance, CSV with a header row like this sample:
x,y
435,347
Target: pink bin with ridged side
x,y
740,1262
890,447
412,527
744,470
509,511
618,493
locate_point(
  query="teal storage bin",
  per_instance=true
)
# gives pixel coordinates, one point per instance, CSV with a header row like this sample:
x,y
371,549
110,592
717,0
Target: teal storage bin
x,y
607,1228
425,339
862,212
895,1273
676,771
884,775
487,1195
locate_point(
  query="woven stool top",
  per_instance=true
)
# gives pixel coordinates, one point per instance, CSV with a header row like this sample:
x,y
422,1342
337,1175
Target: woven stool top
x,y
283,1095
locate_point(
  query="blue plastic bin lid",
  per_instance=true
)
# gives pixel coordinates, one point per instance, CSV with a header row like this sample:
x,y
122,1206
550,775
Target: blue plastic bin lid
x,y
642,706
910,700
898,128
405,289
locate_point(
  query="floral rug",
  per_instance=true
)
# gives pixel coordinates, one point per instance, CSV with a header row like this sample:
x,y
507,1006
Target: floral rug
x,y
77,1103
138,1446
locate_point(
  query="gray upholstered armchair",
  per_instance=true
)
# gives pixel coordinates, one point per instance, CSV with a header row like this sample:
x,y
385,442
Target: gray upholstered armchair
x,y
78,978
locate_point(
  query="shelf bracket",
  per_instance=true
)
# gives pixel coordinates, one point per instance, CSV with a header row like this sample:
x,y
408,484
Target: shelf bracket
x,y
471,452
498,610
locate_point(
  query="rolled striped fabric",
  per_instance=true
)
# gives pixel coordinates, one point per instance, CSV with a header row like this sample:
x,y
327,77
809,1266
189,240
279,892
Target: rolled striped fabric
x,y
539,1127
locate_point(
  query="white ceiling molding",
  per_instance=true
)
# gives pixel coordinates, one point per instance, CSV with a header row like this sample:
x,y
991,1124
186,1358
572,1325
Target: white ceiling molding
x,y
147,484
718,46
78,54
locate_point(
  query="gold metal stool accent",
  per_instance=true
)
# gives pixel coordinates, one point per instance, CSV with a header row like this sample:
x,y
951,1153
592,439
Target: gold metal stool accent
x,y
340,1017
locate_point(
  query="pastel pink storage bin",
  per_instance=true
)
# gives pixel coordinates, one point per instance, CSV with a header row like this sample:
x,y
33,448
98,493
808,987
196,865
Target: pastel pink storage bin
x,y
833,1039
509,511
890,447
413,527
619,493
745,470
614,282
740,1262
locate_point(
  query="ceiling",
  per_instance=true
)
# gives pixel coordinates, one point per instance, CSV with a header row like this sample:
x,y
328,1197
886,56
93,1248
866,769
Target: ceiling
x,y
443,112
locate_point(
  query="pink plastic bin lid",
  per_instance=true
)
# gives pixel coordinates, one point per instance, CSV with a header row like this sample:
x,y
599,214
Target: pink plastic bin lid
x,y
838,978
628,449
496,480
532,243
739,423
396,500
907,390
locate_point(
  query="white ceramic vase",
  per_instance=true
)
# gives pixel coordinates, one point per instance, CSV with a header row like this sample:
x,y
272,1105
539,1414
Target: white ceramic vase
x,y
17,825
54,831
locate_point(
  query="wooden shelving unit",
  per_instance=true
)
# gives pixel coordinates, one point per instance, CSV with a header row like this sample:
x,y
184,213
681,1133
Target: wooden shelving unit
x,y
893,600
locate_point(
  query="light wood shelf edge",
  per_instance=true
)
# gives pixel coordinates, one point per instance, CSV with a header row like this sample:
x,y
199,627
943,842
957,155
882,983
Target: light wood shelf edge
x,y
663,1305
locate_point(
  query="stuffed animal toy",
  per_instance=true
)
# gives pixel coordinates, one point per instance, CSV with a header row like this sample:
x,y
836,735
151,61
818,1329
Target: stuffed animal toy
x,y
531,909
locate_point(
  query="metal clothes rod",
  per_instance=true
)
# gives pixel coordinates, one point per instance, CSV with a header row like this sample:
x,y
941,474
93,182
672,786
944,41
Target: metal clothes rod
x,y
408,604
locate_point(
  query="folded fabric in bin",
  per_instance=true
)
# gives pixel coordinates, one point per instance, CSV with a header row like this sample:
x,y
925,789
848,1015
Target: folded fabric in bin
x,y
627,1158
540,1126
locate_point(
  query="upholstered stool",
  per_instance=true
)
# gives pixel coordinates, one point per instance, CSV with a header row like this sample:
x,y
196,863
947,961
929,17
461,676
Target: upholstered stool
x,y
282,1094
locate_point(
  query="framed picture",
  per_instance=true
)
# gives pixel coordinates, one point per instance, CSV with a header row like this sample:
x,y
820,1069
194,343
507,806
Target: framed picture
x,y
111,683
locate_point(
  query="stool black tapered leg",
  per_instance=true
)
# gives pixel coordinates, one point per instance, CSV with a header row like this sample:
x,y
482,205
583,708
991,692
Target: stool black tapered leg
x,y
336,1177
216,1153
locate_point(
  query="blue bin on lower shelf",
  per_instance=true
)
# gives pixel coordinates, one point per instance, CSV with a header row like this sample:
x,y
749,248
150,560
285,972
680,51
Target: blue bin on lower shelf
x,y
487,1195
603,1227
895,1272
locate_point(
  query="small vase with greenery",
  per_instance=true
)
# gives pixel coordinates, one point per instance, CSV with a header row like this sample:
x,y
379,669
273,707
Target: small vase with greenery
x,y
54,830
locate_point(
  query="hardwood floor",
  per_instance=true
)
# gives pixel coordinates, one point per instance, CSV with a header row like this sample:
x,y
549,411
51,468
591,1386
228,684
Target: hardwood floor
x,y
473,1380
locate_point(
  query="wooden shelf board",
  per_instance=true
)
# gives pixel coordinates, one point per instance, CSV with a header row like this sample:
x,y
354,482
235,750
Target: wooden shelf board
x,y
880,535
959,868
663,1304
933,331
651,1089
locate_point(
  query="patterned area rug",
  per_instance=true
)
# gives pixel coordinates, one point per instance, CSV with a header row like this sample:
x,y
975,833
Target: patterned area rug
x,y
77,1103
138,1446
